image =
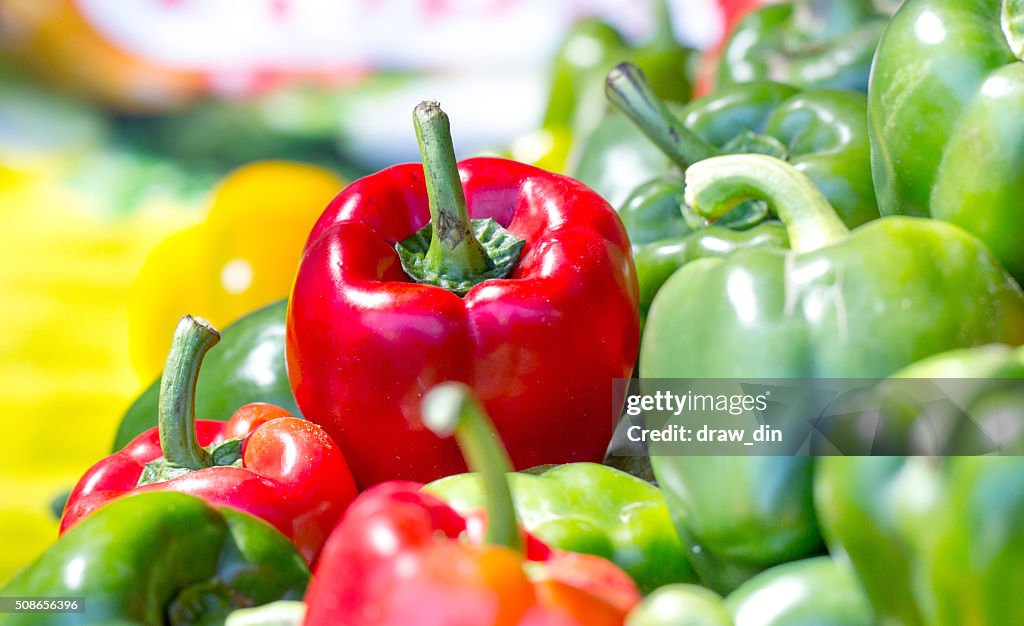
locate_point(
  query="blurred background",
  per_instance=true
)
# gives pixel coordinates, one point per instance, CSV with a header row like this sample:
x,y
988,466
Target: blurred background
x,y
159,157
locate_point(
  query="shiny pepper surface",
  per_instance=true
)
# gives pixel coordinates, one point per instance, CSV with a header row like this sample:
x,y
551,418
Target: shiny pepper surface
x,y
539,345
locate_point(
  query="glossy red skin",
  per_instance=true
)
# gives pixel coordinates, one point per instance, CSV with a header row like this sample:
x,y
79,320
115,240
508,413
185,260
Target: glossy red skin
x,y
401,556
292,476
540,348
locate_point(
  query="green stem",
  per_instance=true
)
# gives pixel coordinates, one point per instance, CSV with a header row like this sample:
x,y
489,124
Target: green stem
x,y
451,408
629,91
454,251
192,339
715,186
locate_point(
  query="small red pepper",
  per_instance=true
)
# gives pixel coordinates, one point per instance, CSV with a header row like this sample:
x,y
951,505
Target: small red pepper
x,y
282,469
533,303
401,556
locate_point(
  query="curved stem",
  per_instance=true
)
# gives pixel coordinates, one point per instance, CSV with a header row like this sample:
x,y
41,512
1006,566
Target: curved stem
x,y
454,250
451,408
629,91
715,186
177,408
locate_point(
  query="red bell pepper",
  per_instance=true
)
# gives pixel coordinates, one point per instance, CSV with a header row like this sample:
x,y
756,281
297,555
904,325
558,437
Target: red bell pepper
x,y
401,556
282,469
535,309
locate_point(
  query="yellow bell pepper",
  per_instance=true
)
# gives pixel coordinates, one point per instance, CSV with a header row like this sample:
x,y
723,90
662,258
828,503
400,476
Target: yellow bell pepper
x,y
65,376
244,255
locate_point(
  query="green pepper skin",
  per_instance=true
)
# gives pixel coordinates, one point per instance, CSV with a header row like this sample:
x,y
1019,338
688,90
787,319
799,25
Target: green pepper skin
x,y
831,307
973,567
616,158
576,105
589,508
946,114
812,592
681,605
652,212
162,558
590,49
866,506
656,262
952,529
840,311
822,132
880,512
247,366
767,517
805,43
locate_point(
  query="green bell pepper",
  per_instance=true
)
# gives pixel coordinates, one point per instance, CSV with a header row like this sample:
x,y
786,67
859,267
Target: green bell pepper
x,y
950,535
247,366
161,558
656,262
616,160
681,605
805,43
589,508
830,307
823,133
767,517
576,105
839,304
867,505
875,509
972,568
815,591
946,114
812,592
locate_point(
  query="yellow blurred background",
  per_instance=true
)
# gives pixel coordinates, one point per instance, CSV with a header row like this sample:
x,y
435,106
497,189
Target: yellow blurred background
x,y
65,372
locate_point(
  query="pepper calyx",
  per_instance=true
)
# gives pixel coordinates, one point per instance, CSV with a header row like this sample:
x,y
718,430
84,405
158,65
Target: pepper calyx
x,y
502,250
225,454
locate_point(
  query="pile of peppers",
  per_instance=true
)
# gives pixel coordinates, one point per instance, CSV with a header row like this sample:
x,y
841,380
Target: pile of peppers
x,y
426,430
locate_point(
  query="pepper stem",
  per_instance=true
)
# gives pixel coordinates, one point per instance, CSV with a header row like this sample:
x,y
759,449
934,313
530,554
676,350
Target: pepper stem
x,y
714,186
177,408
629,91
450,408
454,251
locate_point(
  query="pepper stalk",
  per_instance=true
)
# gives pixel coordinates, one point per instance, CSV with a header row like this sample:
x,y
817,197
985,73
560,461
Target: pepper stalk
x,y
715,186
452,251
450,408
179,442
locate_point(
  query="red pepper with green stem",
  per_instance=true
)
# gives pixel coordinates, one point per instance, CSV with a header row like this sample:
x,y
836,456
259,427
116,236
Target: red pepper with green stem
x,y
282,469
401,556
511,279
